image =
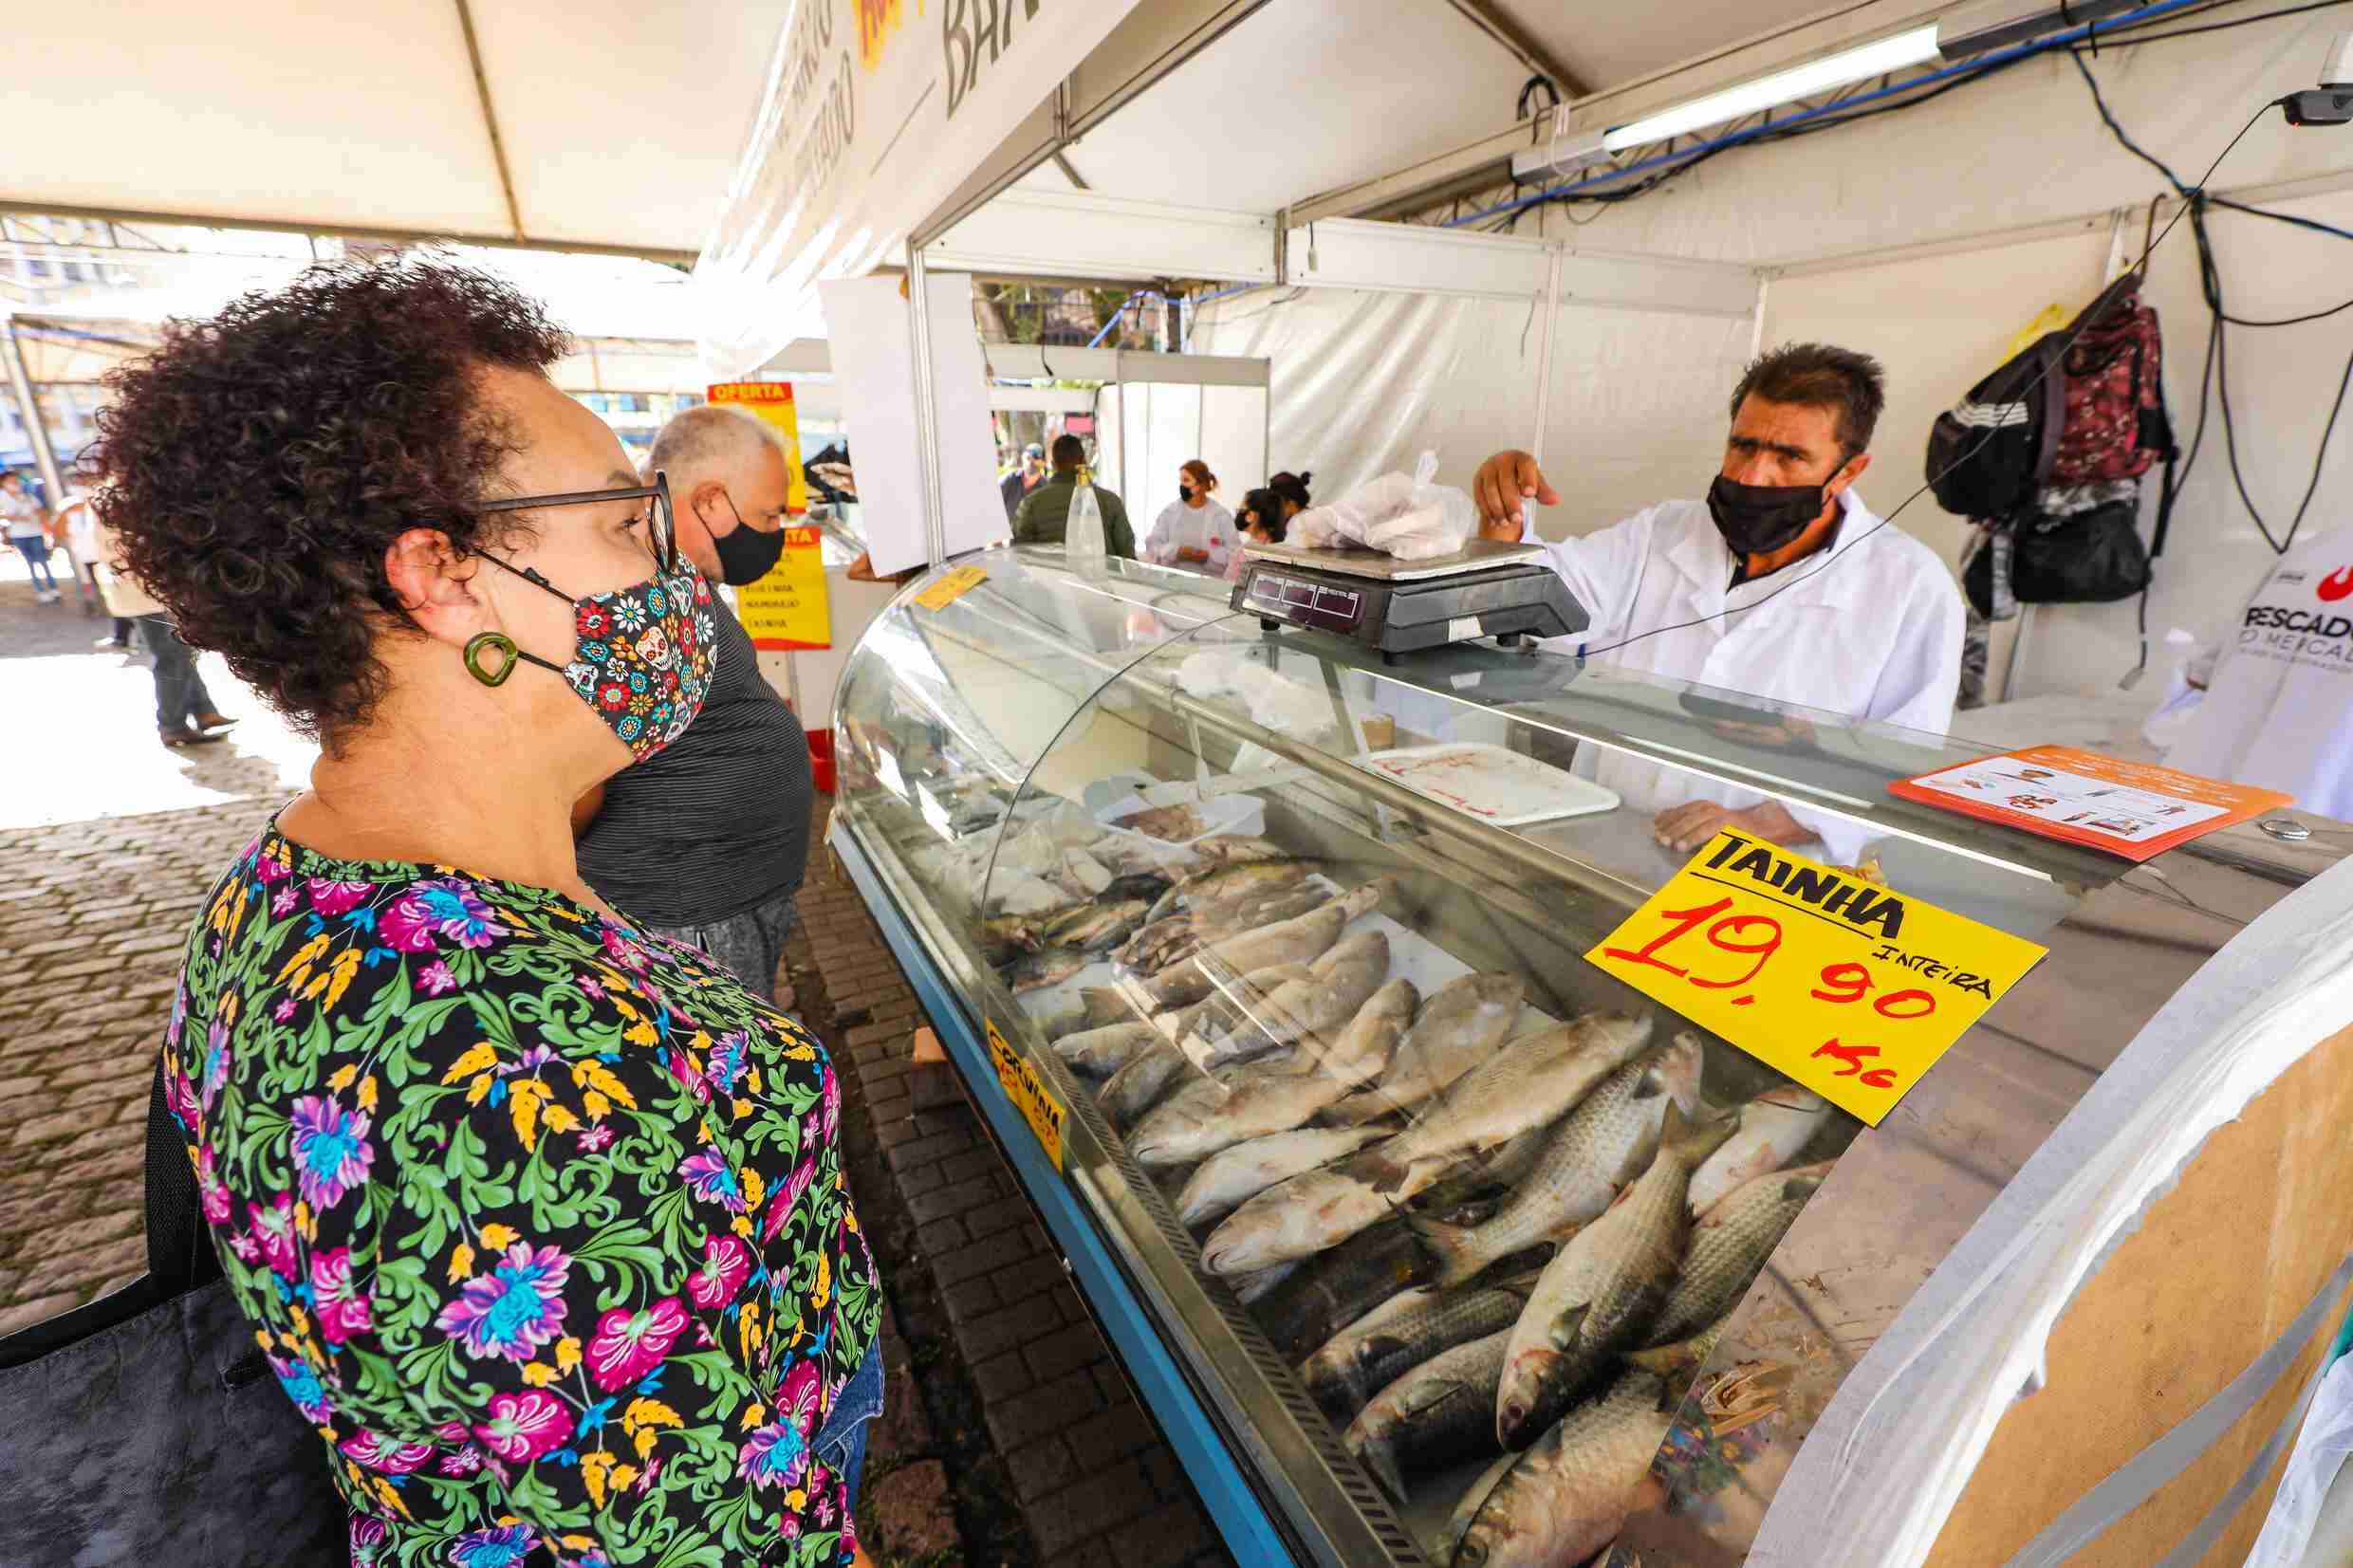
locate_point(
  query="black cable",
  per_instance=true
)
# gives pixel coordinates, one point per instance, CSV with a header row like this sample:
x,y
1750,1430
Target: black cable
x,y
2055,361
2112,41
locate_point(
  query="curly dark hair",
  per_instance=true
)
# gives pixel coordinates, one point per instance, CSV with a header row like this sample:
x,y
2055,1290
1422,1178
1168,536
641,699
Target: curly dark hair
x,y
257,465
1851,385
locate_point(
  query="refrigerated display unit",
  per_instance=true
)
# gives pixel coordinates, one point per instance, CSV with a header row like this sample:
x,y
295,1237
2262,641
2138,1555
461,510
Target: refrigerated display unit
x,y
1263,959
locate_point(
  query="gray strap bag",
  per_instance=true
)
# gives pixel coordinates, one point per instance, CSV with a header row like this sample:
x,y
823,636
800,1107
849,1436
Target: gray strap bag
x,y
146,1427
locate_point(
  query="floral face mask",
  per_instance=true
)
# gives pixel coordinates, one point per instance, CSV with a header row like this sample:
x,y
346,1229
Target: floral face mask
x,y
644,656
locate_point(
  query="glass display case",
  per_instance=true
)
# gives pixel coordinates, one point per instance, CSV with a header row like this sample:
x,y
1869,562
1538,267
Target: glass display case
x,y
1265,960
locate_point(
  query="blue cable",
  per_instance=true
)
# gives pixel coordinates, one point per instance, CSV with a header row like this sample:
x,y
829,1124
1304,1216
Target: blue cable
x,y
1735,138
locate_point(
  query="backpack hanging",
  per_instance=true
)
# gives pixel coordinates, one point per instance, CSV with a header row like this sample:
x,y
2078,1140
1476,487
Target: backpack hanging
x,y
1988,453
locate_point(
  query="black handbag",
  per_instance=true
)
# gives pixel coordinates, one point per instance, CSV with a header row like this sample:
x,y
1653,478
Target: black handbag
x,y
147,1429
2092,557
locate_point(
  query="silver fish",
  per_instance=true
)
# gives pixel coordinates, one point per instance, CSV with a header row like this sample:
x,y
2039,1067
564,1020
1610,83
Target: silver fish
x,y
1728,1246
1304,1215
1460,1025
1094,1008
1360,1052
1037,970
1227,1107
1403,1333
1298,941
1682,1356
1773,1127
1343,1285
1217,882
1249,1289
1336,987
1567,1498
1007,936
1524,1085
1247,907
1137,1087
1155,946
1602,1291
1246,1170
1099,1052
1434,1413
1485,1175
1235,849
1606,1142
1096,927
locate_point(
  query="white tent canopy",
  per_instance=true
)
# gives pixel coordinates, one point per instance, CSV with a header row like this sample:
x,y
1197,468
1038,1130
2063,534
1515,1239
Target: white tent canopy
x,y
592,124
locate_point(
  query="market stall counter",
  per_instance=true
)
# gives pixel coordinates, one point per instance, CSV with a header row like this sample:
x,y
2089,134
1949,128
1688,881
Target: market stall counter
x,y
1427,1237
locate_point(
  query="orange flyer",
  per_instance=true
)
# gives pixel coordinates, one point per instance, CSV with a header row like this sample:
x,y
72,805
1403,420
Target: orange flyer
x,y
2136,810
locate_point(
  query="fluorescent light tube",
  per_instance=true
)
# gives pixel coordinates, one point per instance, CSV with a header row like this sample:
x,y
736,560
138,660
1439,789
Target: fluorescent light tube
x,y
1765,92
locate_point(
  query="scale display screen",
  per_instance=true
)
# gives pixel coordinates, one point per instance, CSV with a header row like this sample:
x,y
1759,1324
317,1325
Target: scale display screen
x,y
1278,596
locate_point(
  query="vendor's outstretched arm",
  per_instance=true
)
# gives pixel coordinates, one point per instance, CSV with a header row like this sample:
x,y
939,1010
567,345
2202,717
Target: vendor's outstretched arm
x,y
1504,482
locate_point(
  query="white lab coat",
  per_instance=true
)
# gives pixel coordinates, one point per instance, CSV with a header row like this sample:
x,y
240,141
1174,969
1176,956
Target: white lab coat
x,y
1181,527
2279,708
1874,633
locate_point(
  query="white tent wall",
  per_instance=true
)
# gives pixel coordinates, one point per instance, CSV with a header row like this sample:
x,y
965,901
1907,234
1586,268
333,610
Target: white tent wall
x,y
2017,173
1148,428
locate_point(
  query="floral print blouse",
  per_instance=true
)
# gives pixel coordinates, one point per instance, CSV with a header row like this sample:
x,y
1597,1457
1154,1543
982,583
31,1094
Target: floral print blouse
x,y
540,1218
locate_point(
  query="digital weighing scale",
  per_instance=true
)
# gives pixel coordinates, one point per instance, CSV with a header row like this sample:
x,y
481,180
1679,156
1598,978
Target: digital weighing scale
x,y
1489,589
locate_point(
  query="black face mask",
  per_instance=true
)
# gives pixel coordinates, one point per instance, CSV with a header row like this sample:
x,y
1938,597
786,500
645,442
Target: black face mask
x,y
747,554
1760,519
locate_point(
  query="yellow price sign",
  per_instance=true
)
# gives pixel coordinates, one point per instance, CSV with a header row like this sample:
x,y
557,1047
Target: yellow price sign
x,y
1852,989
788,608
955,586
1026,1087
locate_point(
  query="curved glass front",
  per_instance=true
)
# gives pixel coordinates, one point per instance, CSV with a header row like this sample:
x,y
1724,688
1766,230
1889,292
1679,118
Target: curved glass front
x,y
1300,936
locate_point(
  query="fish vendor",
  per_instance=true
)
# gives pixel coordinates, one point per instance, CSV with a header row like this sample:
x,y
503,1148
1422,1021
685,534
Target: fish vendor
x,y
1780,585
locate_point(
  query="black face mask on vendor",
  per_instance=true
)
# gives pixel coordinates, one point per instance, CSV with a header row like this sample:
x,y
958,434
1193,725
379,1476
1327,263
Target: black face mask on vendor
x,y
1760,519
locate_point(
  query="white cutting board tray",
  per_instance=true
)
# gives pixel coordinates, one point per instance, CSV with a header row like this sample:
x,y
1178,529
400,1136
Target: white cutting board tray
x,y
1490,781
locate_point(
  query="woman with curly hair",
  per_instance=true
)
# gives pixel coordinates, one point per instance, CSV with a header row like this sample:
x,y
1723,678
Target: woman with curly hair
x,y
540,1218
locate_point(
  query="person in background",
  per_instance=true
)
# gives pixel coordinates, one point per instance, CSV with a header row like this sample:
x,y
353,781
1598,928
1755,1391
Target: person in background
x,y
1017,485
185,713
82,541
708,841
28,534
1267,513
1728,591
1193,530
485,1159
1045,513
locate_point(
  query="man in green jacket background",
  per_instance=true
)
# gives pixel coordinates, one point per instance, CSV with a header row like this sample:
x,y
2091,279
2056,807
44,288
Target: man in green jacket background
x,y
1045,512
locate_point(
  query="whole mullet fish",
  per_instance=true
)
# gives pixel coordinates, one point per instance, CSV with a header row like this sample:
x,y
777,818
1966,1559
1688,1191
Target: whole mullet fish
x,y
1362,1051
1602,1291
1137,1087
1249,1169
1773,1127
1566,1497
1298,941
1337,985
1728,1247
1459,1027
1600,1147
1335,1290
1227,1107
1403,1332
1524,1085
1094,928
1100,1052
1303,1216
1431,1414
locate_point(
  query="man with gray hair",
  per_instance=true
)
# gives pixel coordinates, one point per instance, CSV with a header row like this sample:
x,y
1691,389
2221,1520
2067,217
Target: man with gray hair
x,y
707,839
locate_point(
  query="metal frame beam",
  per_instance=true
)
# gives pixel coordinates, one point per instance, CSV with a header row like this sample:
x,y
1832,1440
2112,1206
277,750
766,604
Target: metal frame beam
x,y
1488,19
1402,257
1094,236
397,236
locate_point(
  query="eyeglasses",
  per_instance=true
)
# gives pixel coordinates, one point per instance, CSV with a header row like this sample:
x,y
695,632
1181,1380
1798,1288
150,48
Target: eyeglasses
x,y
661,528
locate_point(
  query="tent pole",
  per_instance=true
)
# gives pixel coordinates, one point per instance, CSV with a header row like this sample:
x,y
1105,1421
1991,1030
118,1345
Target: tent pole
x,y
1544,348
926,410
36,430
1756,327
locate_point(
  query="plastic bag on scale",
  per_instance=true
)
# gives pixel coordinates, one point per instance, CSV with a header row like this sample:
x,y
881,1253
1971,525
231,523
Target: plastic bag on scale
x,y
1408,516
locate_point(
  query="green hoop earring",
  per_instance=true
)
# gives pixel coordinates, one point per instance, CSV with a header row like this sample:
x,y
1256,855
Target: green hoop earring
x,y
502,645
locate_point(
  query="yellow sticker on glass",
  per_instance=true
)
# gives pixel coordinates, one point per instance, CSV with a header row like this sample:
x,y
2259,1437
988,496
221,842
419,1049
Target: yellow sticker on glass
x,y
952,587
1852,988
1026,1087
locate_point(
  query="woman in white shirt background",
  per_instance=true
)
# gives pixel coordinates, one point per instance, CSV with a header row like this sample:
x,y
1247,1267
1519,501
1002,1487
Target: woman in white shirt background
x,y
1194,529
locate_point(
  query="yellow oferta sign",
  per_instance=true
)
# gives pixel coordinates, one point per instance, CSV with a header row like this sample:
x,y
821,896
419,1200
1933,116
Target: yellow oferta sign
x,y
1852,989
1026,1087
789,607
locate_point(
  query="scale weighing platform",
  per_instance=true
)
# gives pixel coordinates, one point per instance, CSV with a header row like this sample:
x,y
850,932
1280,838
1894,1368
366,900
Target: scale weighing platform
x,y
1489,589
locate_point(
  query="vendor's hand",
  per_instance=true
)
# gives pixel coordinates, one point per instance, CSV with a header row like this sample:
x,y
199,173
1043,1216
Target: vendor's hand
x,y
1193,555
1504,481
1684,828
